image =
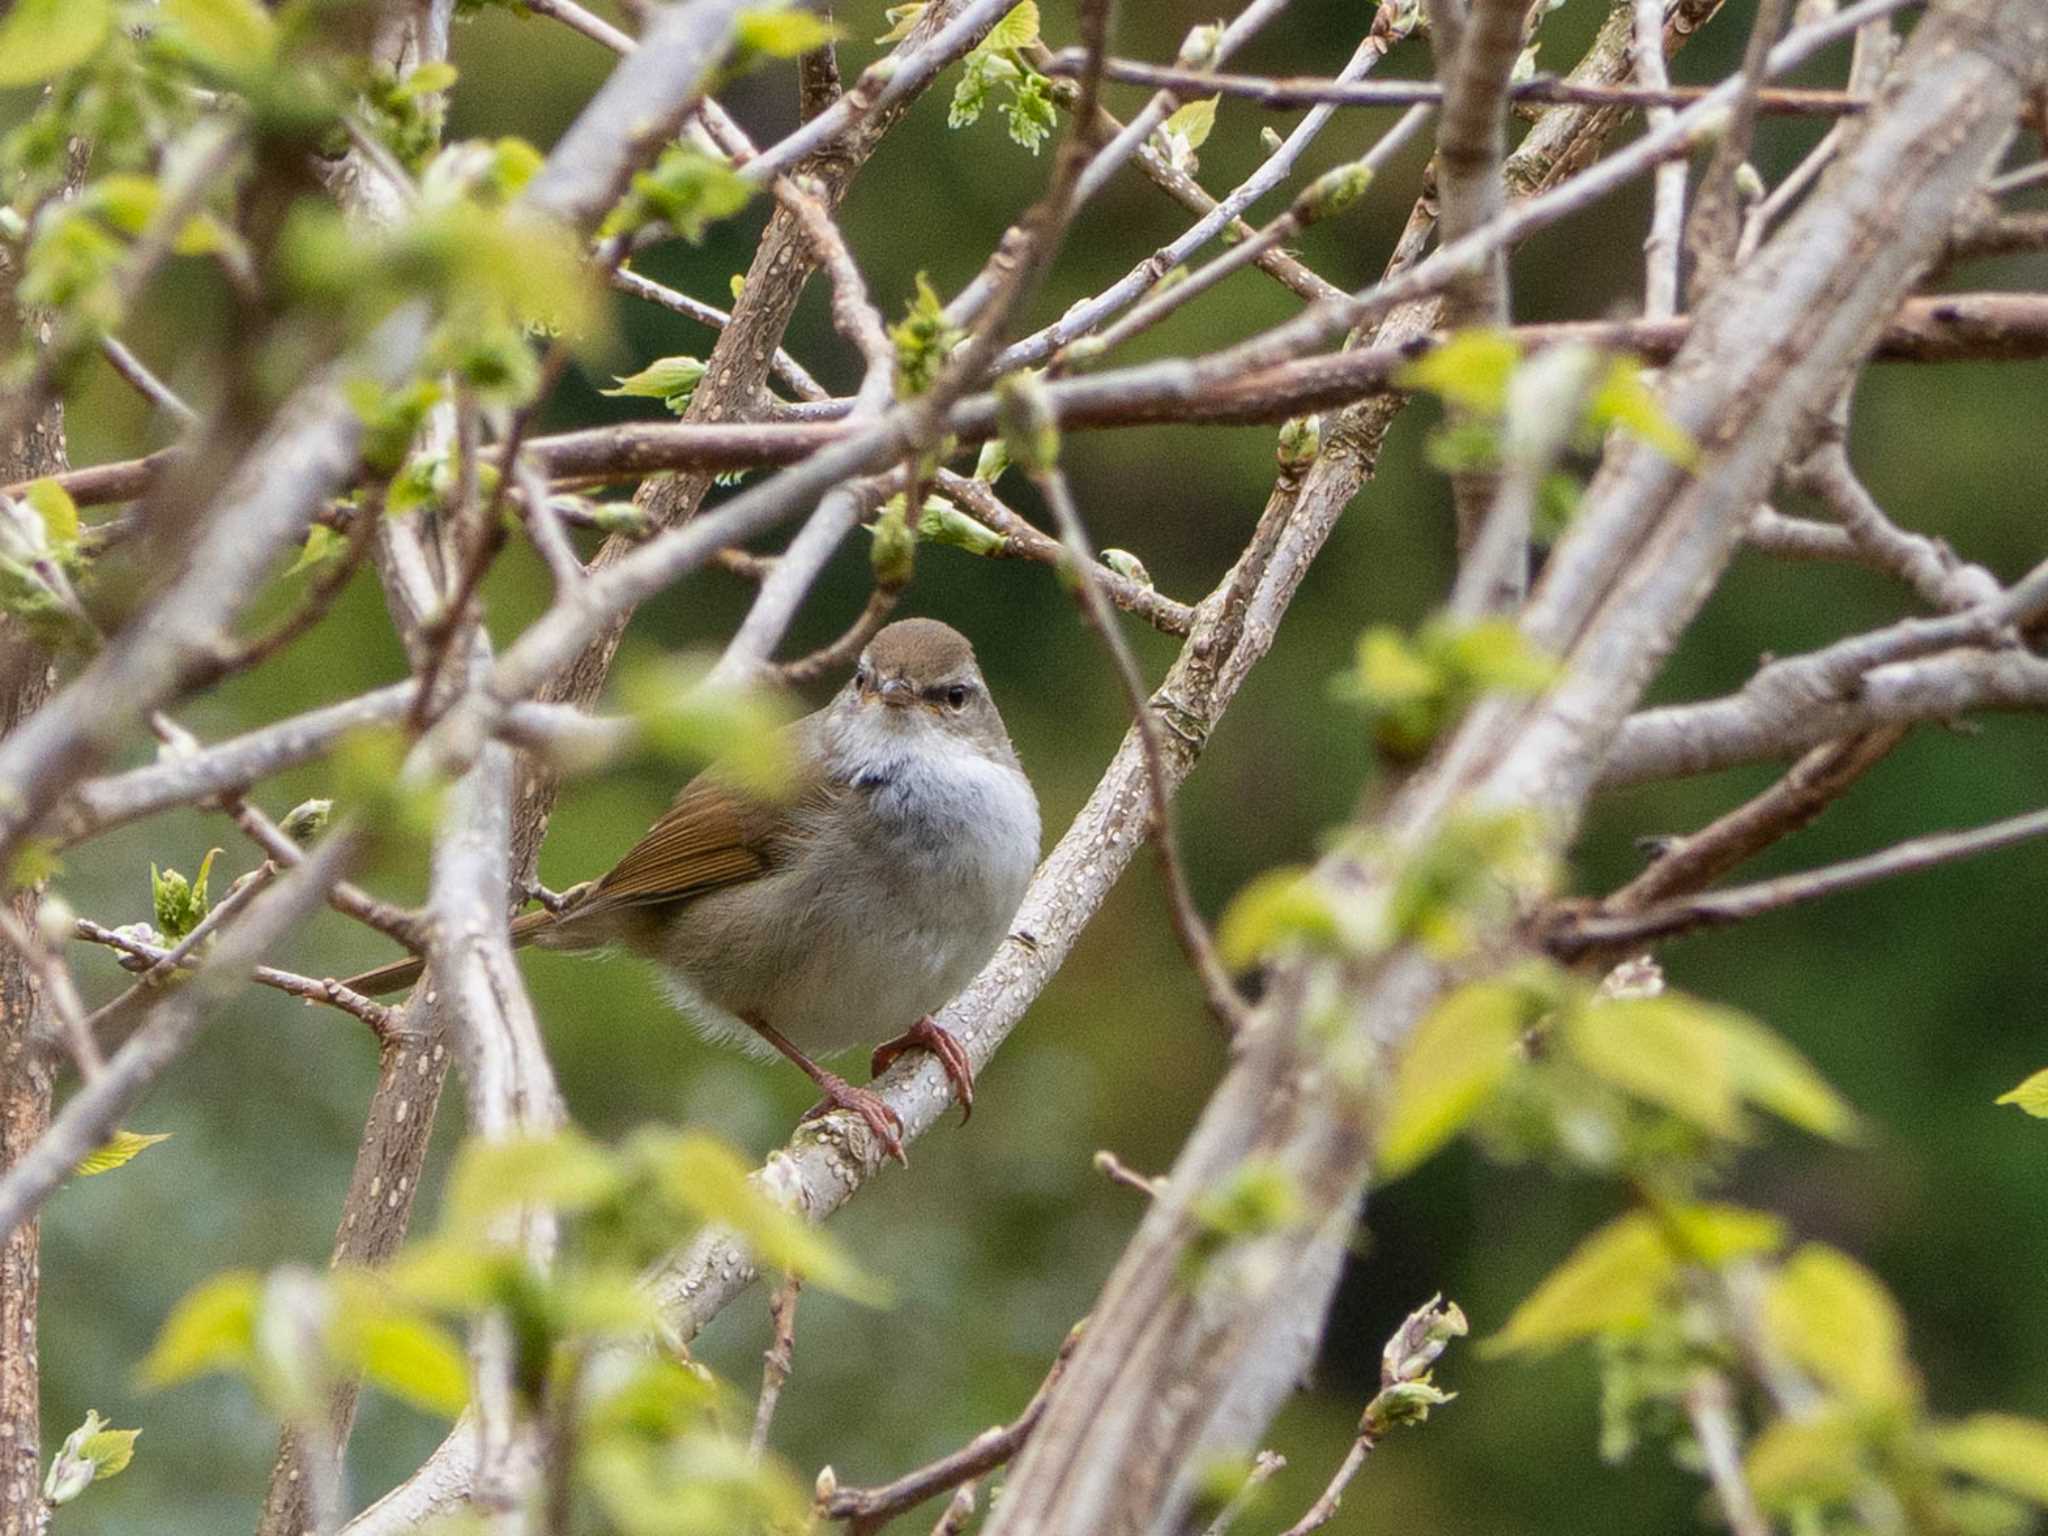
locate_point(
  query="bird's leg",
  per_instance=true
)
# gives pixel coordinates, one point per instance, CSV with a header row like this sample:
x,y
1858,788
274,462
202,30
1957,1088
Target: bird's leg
x,y
927,1033
840,1094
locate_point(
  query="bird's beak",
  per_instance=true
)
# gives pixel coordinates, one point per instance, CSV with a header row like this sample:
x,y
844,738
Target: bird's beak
x,y
897,693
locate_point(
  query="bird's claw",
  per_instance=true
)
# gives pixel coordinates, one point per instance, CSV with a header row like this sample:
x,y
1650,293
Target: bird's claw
x,y
927,1034
873,1110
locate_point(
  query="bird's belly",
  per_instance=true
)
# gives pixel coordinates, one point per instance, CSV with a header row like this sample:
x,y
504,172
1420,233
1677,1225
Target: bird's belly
x,y
856,969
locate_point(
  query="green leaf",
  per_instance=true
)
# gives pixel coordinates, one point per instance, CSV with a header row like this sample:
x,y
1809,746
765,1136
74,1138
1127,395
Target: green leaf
x,y
686,189
126,200
1451,1065
567,1172
1813,1460
1830,1314
1193,123
1281,907
41,39
984,71
1614,1280
671,380
1715,1234
177,903
2031,1096
235,36
34,862
1772,1075
1624,400
737,730
110,1451
1997,1448
923,339
1018,29
118,1149
58,511
784,33
703,1175
212,1329
322,545
1663,1050
428,79
1471,369
1029,113
410,1358
901,19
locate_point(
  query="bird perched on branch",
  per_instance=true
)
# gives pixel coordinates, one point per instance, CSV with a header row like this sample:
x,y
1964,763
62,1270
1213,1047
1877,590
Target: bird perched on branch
x,y
866,897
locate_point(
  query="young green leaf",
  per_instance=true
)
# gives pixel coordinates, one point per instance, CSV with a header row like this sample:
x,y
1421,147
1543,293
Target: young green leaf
x,y
1279,908
1770,1074
1029,113
784,32
89,1453
1624,400
116,1150
212,1329
53,504
180,904
923,340
41,39
408,1357
1470,370
1816,1460
1453,1062
1018,29
2031,1096
1998,1448
110,1451
901,19
1613,1280
322,545
1830,1314
704,1176
566,1171
234,36
1663,1050
1193,122
671,380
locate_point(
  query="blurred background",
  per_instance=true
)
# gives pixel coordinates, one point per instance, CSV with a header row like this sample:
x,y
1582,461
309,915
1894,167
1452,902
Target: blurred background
x,y
1921,999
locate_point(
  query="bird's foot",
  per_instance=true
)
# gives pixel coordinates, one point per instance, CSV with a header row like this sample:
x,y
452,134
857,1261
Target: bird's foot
x,y
865,1102
927,1034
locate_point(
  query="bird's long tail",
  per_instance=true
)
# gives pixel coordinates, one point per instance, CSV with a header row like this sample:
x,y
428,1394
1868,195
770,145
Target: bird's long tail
x,y
400,974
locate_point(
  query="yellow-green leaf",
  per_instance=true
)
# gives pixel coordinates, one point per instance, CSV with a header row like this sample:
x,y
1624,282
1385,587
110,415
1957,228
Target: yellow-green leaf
x,y
40,39
58,511
784,33
1458,1055
1664,1050
1833,1316
2031,1096
1279,907
414,1360
1193,123
1624,400
1772,1075
1714,1234
1471,369
212,1329
322,545
703,1175
2002,1449
901,19
109,1451
234,35
1613,1280
117,1149
566,1171
1819,1459
1017,29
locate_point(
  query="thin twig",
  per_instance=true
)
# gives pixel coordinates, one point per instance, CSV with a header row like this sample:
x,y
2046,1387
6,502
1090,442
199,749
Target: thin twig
x,y
775,1361
1320,1513
869,1509
1229,1009
1710,1408
147,384
1667,218
1570,935
1281,94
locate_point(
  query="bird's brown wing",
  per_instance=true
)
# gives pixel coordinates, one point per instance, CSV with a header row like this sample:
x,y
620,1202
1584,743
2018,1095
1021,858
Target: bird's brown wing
x,y
713,835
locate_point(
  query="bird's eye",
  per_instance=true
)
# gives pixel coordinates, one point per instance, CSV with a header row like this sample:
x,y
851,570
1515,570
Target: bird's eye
x,y
860,675
957,695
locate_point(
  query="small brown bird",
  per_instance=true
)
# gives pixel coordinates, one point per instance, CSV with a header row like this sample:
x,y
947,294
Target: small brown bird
x,y
868,896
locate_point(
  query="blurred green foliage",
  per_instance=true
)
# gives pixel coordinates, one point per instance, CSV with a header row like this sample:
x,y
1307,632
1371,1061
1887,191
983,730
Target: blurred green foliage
x,y
1920,1000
